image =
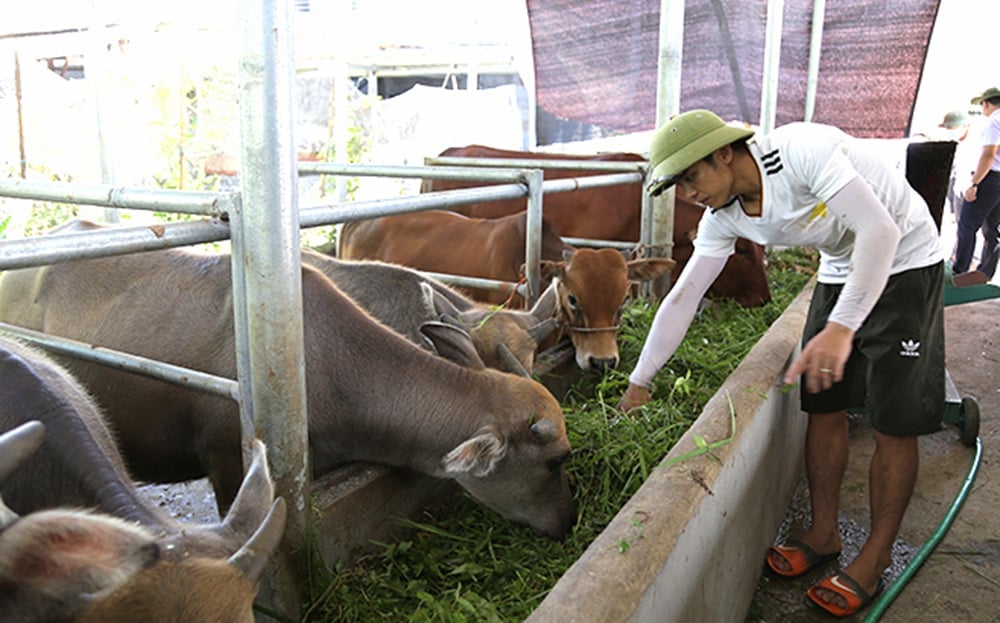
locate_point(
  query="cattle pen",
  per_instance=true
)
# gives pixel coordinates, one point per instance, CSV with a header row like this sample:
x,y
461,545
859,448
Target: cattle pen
x,y
696,527
262,222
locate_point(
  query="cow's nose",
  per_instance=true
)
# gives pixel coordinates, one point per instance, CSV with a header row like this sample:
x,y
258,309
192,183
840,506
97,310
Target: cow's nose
x,y
603,364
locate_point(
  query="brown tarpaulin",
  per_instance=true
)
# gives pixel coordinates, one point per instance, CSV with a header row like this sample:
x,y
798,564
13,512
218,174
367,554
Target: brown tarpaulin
x,y
596,62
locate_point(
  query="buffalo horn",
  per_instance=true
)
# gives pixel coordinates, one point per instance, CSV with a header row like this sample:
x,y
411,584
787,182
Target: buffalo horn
x,y
252,558
543,329
513,365
544,430
16,445
255,494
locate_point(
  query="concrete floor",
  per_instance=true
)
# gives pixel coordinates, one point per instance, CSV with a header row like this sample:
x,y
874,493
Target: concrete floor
x,y
960,579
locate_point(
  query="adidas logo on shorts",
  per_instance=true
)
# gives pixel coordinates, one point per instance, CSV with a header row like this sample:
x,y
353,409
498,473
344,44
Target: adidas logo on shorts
x,y
910,348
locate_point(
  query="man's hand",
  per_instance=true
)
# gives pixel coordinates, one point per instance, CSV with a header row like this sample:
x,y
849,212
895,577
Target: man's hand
x,y
635,396
823,358
971,193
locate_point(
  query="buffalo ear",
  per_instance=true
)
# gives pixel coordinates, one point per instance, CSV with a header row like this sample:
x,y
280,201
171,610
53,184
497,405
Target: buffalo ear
x,y
649,268
66,553
478,455
452,343
438,305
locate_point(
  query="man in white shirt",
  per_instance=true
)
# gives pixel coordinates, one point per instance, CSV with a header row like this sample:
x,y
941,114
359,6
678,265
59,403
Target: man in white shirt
x,y
981,208
874,337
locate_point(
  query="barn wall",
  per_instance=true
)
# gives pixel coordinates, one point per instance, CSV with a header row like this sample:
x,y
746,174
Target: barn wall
x,y
596,63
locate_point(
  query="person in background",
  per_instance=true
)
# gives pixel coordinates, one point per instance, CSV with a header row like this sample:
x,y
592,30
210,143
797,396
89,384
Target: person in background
x,y
874,335
955,127
981,206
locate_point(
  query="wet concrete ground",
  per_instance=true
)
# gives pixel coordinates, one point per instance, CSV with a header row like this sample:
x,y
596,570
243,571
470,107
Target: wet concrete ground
x,y
960,579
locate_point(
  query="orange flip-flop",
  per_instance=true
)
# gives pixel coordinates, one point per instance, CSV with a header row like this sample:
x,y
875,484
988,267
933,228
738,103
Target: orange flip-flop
x,y
845,586
800,558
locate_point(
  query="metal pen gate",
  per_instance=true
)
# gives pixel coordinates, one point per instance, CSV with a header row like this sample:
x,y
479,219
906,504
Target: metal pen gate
x,y
263,222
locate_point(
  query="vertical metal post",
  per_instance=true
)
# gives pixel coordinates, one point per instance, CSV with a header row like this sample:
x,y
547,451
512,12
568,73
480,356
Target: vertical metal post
x,y
243,369
341,91
533,235
99,77
658,214
268,234
815,46
20,116
772,64
668,86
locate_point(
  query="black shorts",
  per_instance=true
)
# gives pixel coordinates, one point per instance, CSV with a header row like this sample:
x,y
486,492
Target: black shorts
x,y
896,367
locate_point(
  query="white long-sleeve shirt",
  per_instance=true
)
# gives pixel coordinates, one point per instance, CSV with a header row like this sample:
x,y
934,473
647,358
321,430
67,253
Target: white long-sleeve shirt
x,y
878,226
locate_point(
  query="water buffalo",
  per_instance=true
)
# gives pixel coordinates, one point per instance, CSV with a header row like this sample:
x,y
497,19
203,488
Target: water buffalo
x,y
79,463
614,213
592,284
372,395
75,566
404,299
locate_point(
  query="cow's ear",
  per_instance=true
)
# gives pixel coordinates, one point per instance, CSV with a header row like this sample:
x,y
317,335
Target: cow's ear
x,y
649,268
478,455
552,270
453,343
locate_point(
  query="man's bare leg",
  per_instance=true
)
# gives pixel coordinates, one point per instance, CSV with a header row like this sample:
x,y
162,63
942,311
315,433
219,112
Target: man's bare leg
x,y
892,477
827,449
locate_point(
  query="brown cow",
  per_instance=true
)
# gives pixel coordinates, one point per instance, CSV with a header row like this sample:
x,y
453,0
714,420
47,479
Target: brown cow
x,y
372,395
592,284
614,213
86,567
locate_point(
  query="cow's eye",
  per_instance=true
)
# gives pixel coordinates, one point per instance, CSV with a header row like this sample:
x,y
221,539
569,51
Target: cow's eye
x,y
572,301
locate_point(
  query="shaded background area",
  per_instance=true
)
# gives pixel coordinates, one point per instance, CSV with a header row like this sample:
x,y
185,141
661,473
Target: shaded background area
x,y
596,63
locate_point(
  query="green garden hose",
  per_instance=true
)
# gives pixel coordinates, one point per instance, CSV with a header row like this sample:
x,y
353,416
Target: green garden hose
x,y
897,587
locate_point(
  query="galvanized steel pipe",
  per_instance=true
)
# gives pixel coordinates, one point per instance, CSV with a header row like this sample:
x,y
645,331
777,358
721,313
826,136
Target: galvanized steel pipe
x,y
152,368
187,202
80,245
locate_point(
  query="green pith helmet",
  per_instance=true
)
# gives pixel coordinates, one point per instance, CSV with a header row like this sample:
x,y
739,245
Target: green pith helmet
x,y
686,139
988,94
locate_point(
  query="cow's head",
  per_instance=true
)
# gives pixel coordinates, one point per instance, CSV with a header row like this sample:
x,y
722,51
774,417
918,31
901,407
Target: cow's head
x,y
497,332
516,465
592,286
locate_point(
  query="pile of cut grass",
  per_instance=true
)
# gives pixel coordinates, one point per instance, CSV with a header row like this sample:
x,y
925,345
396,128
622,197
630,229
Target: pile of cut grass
x,y
463,563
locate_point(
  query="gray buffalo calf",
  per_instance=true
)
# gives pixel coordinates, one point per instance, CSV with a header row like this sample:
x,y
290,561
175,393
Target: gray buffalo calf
x,y
372,394
83,567
79,463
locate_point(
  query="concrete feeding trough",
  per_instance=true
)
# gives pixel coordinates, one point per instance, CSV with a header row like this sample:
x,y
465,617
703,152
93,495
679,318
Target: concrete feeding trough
x,y
689,545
